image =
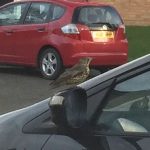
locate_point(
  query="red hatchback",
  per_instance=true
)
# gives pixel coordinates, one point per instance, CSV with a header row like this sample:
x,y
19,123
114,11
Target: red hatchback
x,y
50,35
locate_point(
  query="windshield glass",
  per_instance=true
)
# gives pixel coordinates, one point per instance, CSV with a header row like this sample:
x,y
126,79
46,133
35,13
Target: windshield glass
x,y
97,15
129,91
138,83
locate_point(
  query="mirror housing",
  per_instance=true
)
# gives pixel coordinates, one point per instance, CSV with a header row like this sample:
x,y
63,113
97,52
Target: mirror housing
x,y
69,108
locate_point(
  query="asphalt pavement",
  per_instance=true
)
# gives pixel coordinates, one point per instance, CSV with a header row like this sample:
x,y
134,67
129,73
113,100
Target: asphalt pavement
x,y
21,87
24,86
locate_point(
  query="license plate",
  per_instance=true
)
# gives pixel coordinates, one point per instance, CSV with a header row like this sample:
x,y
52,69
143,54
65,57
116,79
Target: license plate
x,y
102,35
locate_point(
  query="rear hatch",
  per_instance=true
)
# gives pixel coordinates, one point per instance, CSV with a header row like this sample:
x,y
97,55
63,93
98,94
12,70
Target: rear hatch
x,y
98,23
102,32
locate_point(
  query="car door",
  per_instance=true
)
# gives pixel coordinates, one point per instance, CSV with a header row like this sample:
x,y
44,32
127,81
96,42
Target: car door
x,y
11,17
33,33
124,123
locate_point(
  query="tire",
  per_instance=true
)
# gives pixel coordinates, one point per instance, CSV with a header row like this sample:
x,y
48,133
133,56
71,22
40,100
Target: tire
x,y
50,64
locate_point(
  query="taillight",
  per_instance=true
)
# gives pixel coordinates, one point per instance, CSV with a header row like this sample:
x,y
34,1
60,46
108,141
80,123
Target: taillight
x,y
124,28
71,31
121,33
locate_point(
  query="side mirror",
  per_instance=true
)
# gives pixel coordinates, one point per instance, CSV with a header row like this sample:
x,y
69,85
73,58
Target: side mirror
x,y
69,108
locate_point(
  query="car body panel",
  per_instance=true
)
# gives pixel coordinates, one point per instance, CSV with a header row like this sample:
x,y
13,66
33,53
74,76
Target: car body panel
x,y
31,35
6,50
13,123
59,142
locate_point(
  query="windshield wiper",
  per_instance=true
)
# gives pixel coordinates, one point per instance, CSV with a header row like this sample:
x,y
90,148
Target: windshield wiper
x,y
111,26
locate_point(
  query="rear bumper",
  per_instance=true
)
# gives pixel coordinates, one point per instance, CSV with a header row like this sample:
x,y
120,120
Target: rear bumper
x,y
103,54
102,59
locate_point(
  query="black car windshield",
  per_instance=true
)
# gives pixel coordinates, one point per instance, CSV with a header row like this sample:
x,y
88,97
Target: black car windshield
x,y
97,15
138,83
131,90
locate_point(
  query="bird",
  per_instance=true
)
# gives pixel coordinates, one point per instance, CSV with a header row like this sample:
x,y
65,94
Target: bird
x,y
74,75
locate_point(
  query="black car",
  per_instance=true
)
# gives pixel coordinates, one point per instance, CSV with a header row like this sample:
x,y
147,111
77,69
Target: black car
x,y
108,112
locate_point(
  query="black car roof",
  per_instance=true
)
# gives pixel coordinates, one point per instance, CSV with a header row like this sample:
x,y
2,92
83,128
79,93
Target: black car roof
x,y
115,72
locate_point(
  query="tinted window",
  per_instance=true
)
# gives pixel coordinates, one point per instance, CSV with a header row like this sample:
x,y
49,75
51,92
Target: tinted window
x,y
58,12
93,15
128,107
43,12
38,13
12,14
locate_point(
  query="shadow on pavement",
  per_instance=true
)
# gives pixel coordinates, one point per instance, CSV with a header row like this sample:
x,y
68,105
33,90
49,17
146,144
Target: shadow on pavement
x,y
17,70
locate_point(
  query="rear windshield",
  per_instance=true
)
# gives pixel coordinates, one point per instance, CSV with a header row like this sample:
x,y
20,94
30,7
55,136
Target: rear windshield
x,y
90,15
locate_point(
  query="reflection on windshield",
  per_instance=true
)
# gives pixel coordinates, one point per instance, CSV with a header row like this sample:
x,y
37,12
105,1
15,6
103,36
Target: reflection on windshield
x,y
138,83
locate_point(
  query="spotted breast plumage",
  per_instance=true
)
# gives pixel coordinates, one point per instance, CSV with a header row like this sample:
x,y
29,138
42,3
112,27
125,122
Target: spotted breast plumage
x,y
74,75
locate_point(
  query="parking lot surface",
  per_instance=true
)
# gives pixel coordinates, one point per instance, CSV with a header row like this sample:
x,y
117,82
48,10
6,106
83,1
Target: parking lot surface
x,y
21,87
24,86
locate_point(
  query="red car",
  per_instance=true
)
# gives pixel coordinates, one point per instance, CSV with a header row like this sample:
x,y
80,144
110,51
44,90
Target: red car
x,y
50,35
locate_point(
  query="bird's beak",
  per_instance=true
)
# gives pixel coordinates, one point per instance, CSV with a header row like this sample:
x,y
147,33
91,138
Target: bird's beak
x,y
89,59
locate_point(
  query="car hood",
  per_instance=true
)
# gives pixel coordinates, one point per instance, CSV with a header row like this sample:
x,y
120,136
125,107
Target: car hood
x,y
25,114
11,125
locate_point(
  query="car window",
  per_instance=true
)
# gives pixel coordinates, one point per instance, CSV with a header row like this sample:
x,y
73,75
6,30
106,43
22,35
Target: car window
x,y
58,12
128,107
38,13
12,14
43,12
96,15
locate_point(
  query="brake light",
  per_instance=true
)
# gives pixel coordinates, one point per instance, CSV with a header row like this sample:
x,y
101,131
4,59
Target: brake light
x,y
70,29
121,33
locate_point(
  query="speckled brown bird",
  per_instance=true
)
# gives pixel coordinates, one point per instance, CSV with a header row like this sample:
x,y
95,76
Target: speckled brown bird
x,y
74,75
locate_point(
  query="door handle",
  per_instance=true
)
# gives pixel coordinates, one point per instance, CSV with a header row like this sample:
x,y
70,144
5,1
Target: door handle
x,y
9,31
41,29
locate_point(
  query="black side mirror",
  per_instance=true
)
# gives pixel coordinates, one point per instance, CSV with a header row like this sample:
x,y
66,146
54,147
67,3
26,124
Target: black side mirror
x,y
69,108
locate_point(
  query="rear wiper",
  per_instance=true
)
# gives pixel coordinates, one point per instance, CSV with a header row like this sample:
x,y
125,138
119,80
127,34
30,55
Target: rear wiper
x,y
111,26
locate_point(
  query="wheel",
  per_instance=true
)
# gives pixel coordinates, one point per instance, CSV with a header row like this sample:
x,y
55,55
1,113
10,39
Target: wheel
x,y
50,64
